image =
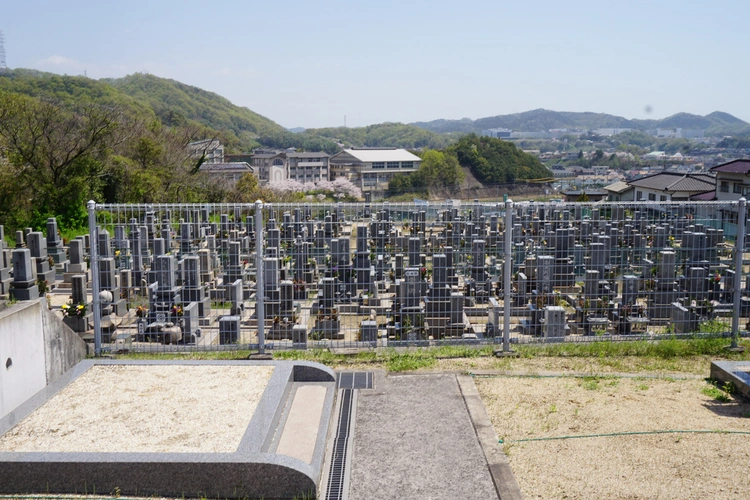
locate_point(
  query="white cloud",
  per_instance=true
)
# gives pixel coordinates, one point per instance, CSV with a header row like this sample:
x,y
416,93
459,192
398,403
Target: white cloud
x,y
58,61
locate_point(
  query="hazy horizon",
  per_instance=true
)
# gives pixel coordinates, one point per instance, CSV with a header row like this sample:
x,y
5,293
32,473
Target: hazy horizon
x,y
306,64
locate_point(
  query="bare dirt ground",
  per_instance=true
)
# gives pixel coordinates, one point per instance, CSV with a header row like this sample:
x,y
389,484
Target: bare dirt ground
x,y
145,408
660,466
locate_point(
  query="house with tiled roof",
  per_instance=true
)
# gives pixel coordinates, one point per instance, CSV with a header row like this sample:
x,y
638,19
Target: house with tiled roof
x,y
619,191
732,183
732,180
672,186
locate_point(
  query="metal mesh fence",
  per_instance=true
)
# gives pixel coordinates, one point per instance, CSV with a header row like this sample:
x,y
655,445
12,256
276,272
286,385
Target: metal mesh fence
x,y
185,277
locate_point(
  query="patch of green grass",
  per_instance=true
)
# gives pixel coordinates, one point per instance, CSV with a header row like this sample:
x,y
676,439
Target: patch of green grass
x,y
409,363
553,409
669,355
663,349
590,383
594,383
71,234
720,394
642,387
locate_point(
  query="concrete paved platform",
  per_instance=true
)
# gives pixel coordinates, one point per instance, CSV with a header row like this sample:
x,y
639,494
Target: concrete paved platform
x,y
414,438
296,405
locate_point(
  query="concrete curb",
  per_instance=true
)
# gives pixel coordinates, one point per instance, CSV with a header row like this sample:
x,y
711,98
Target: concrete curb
x,y
497,462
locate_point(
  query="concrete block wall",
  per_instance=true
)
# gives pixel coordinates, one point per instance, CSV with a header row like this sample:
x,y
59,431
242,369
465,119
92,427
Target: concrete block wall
x,y
36,348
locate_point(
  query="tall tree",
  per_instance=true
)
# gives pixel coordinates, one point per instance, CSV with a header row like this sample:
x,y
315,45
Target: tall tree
x,y
57,151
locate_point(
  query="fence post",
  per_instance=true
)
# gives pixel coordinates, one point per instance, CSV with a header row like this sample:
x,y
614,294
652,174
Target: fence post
x,y
94,259
739,248
507,269
259,292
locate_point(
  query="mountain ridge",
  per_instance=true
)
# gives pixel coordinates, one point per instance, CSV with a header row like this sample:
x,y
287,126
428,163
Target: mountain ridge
x,y
539,120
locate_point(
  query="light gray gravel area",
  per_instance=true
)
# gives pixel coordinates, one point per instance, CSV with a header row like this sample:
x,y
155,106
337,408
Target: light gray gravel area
x,y
414,438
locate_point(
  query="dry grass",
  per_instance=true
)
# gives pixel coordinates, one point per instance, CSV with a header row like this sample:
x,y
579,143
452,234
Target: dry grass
x,y
141,408
664,466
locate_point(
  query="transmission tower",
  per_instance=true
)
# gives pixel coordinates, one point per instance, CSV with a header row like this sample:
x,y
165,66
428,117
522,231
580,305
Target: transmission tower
x,y
3,66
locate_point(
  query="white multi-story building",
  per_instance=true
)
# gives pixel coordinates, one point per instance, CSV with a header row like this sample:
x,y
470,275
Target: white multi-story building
x,y
212,149
372,168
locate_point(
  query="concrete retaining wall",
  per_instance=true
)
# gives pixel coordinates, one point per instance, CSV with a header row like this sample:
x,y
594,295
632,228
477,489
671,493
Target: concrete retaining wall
x,y
36,348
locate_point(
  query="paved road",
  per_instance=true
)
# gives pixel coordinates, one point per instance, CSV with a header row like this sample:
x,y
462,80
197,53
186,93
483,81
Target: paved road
x,y
414,439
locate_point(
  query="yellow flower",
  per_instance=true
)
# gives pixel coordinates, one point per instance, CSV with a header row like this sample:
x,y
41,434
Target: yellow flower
x,y
79,307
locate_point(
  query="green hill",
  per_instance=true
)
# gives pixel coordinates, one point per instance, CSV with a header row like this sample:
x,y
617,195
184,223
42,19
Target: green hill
x,y
67,89
538,120
174,103
494,161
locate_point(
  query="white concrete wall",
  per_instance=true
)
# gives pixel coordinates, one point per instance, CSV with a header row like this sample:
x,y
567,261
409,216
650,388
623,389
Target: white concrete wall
x,y
22,360
36,348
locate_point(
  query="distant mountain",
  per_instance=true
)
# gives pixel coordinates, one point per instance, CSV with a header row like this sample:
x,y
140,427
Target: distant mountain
x,y
539,120
296,130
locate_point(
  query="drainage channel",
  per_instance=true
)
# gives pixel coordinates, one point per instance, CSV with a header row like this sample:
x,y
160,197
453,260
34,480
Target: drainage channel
x,y
348,382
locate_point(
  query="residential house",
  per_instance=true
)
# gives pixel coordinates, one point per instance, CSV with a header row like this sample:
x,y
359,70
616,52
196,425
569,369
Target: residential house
x,y
592,195
372,169
672,186
732,183
620,191
732,180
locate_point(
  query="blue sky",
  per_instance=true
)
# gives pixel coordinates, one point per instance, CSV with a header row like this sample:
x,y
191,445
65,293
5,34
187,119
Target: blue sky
x,y
309,63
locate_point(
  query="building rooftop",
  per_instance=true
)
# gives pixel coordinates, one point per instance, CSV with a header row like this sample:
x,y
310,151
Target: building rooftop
x,y
707,196
734,167
266,155
618,187
310,154
237,165
382,154
675,182
589,192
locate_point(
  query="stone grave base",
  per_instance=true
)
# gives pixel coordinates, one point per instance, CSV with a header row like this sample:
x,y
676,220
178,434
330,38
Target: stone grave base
x,y
735,372
278,454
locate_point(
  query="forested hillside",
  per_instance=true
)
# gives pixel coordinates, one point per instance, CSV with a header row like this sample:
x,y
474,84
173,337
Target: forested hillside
x,y
383,135
176,104
494,161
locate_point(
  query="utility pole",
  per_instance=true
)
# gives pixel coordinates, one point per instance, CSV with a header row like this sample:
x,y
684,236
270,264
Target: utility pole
x,y
3,65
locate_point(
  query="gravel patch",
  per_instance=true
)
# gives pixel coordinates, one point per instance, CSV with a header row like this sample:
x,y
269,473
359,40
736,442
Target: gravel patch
x,y
663,466
145,408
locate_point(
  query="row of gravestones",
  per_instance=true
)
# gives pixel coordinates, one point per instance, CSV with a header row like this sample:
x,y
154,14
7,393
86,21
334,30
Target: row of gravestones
x,y
35,260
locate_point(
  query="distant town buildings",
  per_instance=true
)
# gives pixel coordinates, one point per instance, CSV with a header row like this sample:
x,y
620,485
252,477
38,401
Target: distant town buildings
x,y
554,133
497,133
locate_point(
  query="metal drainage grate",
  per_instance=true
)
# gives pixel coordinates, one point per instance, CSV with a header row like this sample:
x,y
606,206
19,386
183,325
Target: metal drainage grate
x,y
355,380
336,476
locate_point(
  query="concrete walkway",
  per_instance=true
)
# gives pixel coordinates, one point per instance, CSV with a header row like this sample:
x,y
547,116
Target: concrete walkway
x,y
414,439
